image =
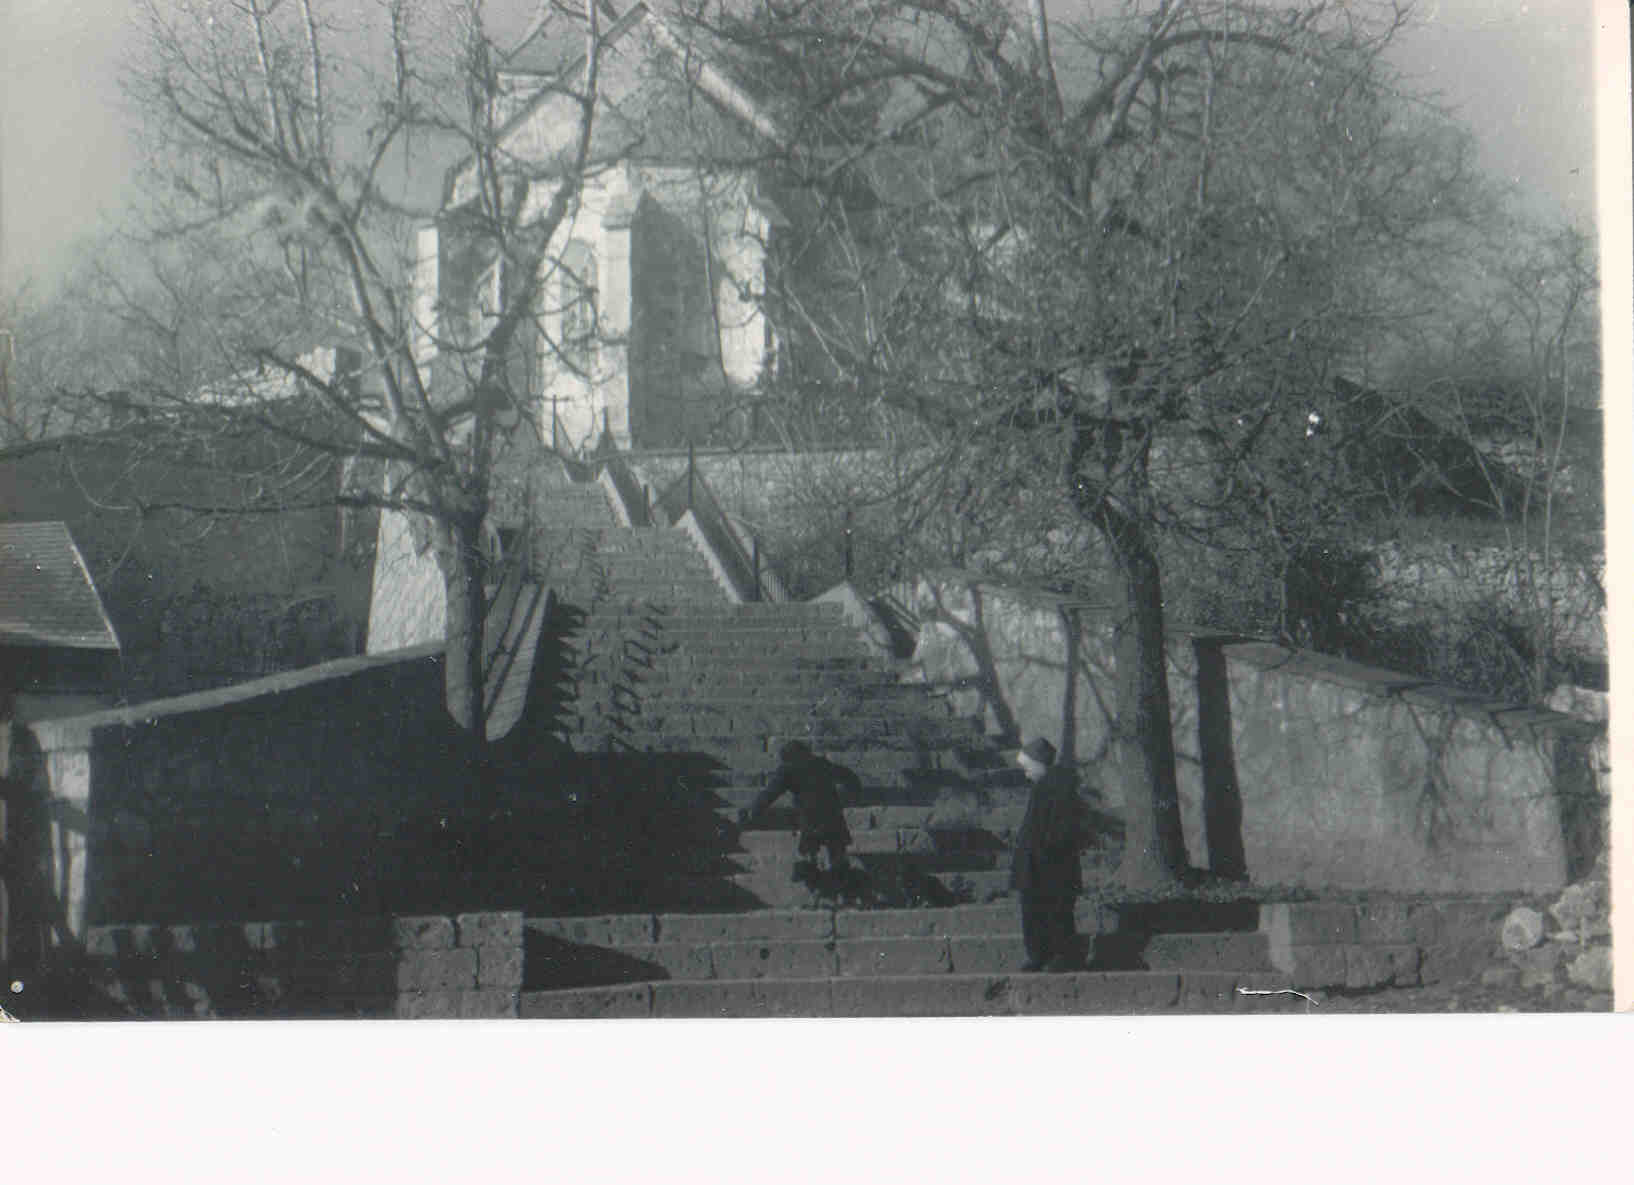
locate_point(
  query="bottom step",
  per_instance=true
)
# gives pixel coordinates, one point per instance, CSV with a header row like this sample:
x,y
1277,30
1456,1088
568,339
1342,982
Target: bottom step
x,y
1107,993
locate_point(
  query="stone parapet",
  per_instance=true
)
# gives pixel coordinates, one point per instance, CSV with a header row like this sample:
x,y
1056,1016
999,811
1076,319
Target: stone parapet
x,y
405,967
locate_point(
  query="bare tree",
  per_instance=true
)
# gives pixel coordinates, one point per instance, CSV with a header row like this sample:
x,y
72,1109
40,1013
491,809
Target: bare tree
x,y
1125,254
1513,373
292,141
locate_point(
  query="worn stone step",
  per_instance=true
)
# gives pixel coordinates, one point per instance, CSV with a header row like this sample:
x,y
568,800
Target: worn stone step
x,y
557,964
670,716
964,921
1238,951
606,675
1080,993
726,615
701,693
629,565
792,655
754,630
747,736
976,885
630,583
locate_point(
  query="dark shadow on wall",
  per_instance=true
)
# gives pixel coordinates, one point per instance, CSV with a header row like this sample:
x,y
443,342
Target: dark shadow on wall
x,y
553,963
1222,798
986,681
1585,813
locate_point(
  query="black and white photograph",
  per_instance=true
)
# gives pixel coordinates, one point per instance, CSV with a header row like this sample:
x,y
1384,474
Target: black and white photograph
x,y
576,510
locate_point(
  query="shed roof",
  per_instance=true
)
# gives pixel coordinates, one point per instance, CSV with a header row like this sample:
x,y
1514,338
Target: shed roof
x,y
47,597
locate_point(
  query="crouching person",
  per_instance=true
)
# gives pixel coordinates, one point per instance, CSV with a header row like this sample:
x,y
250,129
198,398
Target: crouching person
x,y
816,785
1045,868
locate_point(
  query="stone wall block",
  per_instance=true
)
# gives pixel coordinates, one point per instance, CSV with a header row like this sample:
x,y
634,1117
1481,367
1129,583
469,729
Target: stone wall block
x,y
893,956
143,942
609,930
1318,966
488,1004
624,1001
179,940
1312,923
797,959
1371,966
1592,969
499,966
490,929
364,974
429,1005
423,933
992,955
436,970
1544,959
346,936
275,940
781,924
1384,922
270,992
199,1005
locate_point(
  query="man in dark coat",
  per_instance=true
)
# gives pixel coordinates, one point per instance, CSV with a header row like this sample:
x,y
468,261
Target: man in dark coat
x,y
816,784
1045,868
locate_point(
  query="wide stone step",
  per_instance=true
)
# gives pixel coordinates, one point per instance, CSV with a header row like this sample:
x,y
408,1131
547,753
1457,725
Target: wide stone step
x,y
729,680
976,885
627,579
929,780
980,994
702,948
729,615
832,723
888,759
727,651
640,929
695,689
768,646
1240,951
999,818
631,563
682,668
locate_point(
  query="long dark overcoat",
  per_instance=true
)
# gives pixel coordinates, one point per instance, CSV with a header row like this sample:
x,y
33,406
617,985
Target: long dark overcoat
x,y
1053,832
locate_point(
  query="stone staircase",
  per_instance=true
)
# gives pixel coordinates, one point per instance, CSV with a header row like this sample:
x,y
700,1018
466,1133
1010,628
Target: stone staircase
x,y
957,961
664,665
667,675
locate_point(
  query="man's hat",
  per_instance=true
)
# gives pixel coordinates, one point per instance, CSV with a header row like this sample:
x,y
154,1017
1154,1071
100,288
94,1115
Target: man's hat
x,y
1040,751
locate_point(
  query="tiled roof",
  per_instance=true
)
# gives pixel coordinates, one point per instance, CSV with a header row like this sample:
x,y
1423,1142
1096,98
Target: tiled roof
x,y
46,594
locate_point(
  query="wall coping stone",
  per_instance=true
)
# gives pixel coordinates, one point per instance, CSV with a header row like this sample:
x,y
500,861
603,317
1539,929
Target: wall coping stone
x,y
74,732
1377,682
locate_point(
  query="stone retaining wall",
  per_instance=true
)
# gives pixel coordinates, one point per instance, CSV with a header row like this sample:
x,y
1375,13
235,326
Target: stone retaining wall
x,y
254,800
405,967
1295,768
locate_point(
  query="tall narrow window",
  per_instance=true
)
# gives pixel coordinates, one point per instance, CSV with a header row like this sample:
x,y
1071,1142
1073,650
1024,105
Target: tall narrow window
x,y
578,290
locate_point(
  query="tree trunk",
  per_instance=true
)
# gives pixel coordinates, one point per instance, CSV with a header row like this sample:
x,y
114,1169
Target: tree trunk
x,y
461,562
1154,843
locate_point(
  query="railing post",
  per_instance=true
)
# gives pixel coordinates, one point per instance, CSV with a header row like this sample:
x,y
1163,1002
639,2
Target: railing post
x,y
755,542
848,555
690,464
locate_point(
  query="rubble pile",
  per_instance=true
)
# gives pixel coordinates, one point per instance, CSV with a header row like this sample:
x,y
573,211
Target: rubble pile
x,y
1563,952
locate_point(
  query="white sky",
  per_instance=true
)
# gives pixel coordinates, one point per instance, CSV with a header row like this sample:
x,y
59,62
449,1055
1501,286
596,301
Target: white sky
x,y
1519,73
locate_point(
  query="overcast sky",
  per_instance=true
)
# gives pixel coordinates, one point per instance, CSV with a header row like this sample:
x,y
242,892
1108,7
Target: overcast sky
x,y
1520,73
